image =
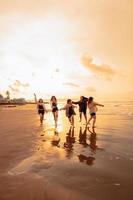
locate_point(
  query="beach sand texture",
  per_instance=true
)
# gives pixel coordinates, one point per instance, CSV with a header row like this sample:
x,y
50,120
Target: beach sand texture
x,y
41,163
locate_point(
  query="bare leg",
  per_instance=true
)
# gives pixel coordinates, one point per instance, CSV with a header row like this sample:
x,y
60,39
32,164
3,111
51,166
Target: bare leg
x,y
73,120
70,120
41,118
56,117
80,116
90,119
94,121
85,116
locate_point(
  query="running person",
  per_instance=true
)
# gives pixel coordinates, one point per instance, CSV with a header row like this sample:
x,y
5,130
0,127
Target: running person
x,y
93,109
69,107
82,103
54,109
41,108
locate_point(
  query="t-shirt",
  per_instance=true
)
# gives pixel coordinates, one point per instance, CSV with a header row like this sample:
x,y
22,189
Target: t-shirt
x,y
92,107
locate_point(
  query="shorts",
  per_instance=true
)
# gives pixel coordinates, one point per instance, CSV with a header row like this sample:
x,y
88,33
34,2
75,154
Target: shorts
x,y
92,114
69,116
41,112
83,111
55,109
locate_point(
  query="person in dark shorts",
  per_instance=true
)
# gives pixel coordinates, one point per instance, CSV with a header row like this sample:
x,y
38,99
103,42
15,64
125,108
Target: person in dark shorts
x,y
82,103
69,107
54,107
41,108
93,109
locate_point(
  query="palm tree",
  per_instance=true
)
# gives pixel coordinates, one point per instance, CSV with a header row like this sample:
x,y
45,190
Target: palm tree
x,y
8,95
1,98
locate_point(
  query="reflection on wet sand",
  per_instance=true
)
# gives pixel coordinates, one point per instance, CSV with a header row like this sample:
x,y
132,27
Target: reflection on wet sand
x,y
55,165
70,140
70,149
56,139
83,136
93,139
89,159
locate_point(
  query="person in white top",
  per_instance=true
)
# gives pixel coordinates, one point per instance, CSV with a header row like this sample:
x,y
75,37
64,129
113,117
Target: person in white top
x,y
93,109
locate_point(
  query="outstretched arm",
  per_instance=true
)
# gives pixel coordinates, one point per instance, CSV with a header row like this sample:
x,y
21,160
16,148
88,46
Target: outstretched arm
x,y
75,102
74,106
63,108
98,104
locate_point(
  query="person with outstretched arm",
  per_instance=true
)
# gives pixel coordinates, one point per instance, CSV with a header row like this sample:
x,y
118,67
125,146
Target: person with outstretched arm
x,y
82,103
92,105
69,107
41,108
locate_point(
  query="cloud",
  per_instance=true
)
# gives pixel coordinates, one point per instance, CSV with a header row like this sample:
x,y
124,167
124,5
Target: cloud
x,y
90,89
17,86
15,90
71,84
104,71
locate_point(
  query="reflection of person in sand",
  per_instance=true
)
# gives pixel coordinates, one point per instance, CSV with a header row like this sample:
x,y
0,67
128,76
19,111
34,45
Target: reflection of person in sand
x,y
82,136
89,159
56,139
41,108
70,140
93,138
54,109
82,103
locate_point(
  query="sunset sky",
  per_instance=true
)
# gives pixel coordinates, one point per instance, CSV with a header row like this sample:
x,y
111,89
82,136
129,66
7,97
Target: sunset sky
x,y
67,48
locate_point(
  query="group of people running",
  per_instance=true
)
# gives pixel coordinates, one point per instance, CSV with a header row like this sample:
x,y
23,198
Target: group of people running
x,y
83,103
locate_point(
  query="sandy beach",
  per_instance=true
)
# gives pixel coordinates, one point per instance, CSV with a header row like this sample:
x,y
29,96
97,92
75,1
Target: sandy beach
x,y
39,163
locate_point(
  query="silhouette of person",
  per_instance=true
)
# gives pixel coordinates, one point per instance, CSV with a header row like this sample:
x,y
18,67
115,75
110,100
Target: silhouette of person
x,y
56,139
82,136
92,139
89,159
70,140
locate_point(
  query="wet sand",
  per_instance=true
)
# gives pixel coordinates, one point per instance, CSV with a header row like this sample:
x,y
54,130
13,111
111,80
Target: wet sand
x,y
39,163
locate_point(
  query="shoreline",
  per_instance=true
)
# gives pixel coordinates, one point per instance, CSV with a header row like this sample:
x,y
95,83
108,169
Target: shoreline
x,y
71,163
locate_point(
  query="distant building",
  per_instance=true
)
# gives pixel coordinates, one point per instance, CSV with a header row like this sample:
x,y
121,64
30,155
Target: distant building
x,y
18,101
7,99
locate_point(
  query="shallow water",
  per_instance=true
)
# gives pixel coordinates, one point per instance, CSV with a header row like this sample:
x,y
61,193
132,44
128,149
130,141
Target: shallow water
x,y
41,162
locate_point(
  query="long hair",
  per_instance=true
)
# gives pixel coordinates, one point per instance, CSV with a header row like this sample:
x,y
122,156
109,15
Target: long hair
x,y
53,98
40,101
